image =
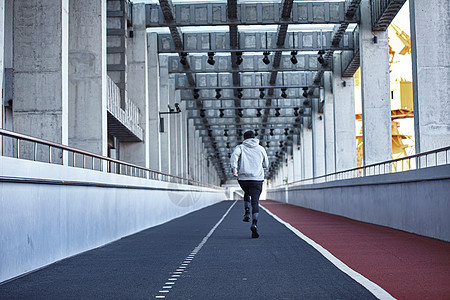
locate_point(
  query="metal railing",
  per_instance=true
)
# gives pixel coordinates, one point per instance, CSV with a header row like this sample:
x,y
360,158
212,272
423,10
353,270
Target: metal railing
x,y
26,147
423,160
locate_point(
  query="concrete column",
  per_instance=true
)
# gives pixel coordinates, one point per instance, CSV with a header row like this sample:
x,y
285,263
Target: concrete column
x,y
164,95
375,90
318,141
2,65
198,156
41,69
328,116
173,134
282,171
6,114
87,76
179,136
430,49
300,152
198,147
194,165
191,149
153,98
290,167
308,157
297,159
184,140
344,118
204,174
137,91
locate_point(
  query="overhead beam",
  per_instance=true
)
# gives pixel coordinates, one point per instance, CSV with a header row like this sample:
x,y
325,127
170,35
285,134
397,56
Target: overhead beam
x,y
255,42
251,63
248,81
278,128
351,59
251,96
222,145
245,107
255,122
234,44
383,12
208,14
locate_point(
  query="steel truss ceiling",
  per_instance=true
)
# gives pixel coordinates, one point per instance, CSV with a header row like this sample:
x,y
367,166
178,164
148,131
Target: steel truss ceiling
x,y
240,91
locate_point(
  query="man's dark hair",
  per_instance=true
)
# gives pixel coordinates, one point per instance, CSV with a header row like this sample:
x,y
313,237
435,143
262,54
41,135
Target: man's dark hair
x,y
249,135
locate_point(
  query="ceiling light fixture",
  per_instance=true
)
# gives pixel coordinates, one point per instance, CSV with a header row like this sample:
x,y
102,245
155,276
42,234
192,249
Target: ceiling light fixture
x,y
183,59
211,60
218,95
239,58
277,112
320,59
305,92
239,95
266,59
196,94
293,58
261,93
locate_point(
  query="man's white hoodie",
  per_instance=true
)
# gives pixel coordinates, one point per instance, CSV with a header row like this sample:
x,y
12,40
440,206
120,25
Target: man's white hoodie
x,y
252,158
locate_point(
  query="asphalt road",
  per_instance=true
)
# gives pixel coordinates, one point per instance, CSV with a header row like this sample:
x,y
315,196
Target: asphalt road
x,y
208,254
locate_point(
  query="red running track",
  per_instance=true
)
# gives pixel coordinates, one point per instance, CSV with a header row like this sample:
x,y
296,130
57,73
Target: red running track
x,y
406,265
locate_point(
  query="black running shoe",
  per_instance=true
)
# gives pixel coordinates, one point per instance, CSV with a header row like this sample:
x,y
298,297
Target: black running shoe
x,y
254,230
246,218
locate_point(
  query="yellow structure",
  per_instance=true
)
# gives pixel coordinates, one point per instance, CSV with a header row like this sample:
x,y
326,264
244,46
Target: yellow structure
x,y
401,100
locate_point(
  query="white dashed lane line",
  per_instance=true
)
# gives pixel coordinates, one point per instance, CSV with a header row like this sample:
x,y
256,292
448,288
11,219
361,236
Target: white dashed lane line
x,y
182,268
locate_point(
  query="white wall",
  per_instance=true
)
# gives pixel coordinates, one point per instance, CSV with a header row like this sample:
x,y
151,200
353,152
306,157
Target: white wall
x,y
41,223
415,201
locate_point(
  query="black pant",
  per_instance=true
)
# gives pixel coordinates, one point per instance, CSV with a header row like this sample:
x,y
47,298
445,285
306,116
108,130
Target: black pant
x,y
252,190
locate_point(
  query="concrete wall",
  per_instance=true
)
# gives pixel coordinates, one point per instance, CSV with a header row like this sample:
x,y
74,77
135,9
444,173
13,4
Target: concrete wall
x,y
41,223
415,201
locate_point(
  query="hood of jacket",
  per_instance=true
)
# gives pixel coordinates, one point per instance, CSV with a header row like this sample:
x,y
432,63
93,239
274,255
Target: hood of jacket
x,y
251,143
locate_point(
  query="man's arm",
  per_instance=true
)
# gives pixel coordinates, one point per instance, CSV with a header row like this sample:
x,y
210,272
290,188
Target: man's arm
x,y
265,160
234,160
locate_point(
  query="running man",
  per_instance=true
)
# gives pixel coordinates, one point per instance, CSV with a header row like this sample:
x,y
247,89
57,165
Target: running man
x,y
252,159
